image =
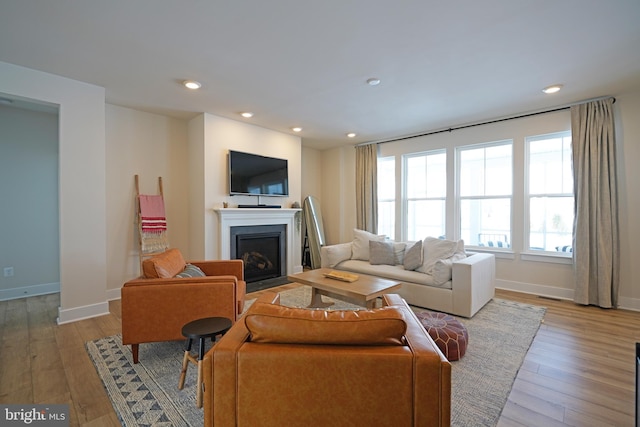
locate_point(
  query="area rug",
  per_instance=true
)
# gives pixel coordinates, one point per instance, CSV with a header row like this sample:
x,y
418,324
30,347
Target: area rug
x,y
147,393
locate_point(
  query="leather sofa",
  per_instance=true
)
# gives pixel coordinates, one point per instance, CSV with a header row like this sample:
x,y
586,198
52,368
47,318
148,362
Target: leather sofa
x,y
297,367
157,305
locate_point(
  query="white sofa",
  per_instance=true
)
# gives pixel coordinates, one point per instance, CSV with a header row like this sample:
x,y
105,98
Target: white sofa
x,y
470,286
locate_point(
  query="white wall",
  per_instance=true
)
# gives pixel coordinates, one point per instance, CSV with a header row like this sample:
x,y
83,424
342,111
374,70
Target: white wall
x,y
543,278
338,193
82,204
150,146
29,207
210,139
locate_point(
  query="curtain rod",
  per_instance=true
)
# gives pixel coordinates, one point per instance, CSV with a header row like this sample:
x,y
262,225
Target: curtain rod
x,y
488,122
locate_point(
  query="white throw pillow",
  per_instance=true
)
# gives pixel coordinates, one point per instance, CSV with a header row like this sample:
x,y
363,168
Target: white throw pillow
x,y
333,255
443,268
360,248
436,249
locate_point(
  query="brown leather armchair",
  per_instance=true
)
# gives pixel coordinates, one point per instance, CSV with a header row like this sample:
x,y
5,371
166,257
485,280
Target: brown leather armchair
x,y
285,366
156,308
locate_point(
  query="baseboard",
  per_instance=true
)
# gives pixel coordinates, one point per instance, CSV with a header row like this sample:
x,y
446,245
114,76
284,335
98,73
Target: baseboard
x,y
113,294
535,289
624,303
29,291
627,303
81,313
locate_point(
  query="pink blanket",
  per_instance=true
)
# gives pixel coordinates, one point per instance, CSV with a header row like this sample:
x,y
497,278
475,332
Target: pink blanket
x,y
152,215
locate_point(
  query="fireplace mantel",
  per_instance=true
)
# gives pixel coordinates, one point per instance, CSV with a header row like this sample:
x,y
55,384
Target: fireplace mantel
x,y
235,217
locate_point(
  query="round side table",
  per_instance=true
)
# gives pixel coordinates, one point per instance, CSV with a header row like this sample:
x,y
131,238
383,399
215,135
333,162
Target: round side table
x,y
201,329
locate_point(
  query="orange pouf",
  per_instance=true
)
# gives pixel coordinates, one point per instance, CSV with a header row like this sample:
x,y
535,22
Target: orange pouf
x,y
450,335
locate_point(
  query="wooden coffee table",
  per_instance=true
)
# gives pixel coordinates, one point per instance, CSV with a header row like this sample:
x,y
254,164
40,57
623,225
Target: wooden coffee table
x,y
363,291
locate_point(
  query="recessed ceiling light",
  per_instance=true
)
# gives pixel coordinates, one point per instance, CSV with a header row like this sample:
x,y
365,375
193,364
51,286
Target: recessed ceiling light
x,y
552,89
373,81
351,135
247,114
296,129
192,84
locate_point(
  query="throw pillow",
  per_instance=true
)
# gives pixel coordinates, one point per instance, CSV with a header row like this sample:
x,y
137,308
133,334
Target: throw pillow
x,y
164,265
398,249
360,248
381,253
443,268
413,256
435,249
333,255
191,271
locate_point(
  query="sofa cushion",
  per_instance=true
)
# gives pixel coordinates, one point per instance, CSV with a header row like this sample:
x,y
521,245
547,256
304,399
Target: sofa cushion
x,y
164,265
392,272
381,253
191,271
271,323
360,248
413,256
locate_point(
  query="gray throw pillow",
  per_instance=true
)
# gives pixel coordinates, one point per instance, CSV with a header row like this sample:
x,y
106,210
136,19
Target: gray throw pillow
x,y
191,270
381,253
413,256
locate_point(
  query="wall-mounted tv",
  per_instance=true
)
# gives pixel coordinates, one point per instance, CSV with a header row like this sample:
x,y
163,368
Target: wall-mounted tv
x,y
255,175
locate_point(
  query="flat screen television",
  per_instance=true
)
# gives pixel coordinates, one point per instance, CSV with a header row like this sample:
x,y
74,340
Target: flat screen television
x,y
256,175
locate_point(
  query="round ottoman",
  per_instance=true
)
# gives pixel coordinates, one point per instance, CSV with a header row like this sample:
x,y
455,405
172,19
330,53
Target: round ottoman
x,y
450,335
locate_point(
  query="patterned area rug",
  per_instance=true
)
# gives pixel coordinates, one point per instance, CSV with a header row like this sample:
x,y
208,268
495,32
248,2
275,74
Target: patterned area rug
x,y
147,393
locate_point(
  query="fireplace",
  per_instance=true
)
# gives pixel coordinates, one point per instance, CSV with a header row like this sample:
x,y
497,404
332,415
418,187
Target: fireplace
x,y
262,248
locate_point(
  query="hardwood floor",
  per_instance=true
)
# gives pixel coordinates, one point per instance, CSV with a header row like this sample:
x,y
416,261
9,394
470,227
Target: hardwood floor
x,y
579,370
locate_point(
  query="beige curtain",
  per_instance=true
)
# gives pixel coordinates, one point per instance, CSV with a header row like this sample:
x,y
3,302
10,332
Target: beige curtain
x,y
367,187
595,230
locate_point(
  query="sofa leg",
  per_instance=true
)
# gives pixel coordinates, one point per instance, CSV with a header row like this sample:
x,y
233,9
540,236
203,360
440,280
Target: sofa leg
x,y
134,350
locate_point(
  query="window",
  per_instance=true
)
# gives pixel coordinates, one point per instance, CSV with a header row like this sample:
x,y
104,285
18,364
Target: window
x,y
550,193
386,196
485,191
426,192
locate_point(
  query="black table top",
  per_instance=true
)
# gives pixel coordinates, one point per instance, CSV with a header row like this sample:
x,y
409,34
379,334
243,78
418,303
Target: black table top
x,y
207,327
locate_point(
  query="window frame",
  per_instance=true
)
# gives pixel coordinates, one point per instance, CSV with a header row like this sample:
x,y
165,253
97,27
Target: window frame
x,y
405,188
526,229
458,199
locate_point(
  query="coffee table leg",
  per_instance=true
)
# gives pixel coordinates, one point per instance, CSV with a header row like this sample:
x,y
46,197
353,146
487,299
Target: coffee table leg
x,y
316,300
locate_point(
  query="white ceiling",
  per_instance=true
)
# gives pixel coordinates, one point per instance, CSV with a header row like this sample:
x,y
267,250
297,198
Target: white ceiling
x,y
305,63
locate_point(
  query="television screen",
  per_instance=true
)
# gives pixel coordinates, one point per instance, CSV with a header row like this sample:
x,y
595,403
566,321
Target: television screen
x,y
257,175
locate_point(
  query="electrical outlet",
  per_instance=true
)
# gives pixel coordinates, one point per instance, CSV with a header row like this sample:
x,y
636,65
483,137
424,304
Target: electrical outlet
x,y
8,271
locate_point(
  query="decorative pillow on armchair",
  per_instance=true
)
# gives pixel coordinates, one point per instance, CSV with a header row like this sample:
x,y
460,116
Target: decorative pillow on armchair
x,y
164,265
191,271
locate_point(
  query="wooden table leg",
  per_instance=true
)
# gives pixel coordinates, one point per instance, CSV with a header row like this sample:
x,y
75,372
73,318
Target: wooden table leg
x,y
183,373
199,385
316,300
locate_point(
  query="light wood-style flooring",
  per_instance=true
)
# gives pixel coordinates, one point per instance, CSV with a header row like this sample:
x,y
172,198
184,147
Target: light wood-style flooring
x,y
579,370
